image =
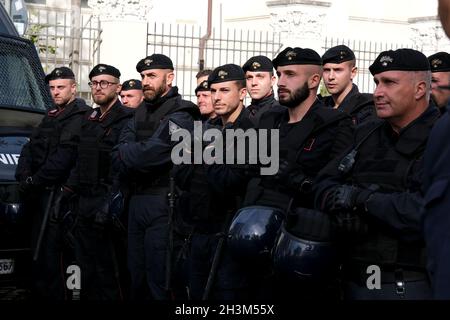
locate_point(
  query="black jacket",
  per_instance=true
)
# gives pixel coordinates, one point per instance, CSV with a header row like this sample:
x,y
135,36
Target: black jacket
x,y
392,165
258,107
359,106
306,146
51,151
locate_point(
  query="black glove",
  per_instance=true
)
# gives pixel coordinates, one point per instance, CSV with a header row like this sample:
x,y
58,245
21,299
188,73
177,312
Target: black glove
x,y
346,198
62,203
292,178
111,210
26,185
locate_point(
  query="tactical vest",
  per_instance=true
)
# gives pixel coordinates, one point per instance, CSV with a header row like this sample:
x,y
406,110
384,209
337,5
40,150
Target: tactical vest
x,y
147,122
46,138
97,140
262,190
382,161
207,208
361,107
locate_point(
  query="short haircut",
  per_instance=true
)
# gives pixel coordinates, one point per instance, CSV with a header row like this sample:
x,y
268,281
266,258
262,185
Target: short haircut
x,y
203,73
423,76
241,84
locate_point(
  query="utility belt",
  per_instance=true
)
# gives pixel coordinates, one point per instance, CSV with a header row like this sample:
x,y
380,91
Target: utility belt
x,y
360,273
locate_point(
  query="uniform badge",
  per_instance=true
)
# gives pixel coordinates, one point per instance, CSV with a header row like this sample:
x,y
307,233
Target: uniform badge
x,y
205,84
173,127
148,62
343,54
131,83
256,65
58,72
384,60
101,69
222,74
308,146
93,115
290,54
436,62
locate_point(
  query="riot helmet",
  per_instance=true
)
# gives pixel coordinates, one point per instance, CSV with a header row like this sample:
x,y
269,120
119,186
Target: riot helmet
x,y
253,232
305,248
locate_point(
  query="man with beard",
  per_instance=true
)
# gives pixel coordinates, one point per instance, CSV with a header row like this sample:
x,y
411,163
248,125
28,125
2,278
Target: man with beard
x,y
310,136
440,79
204,101
44,165
339,69
260,80
143,156
131,94
95,184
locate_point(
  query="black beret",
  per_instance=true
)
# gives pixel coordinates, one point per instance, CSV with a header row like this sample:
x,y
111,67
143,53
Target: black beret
x,y
401,59
338,54
203,86
155,61
439,62
60,73
104,69
227,72
132,84
297,56
258,63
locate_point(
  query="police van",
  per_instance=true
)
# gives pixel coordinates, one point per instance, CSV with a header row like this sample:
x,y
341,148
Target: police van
x,y
24,98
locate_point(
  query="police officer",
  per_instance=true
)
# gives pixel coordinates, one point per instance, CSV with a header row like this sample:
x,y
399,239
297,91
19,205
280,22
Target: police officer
x,y
373,189
436,220
144,156
204,101
260,80
96,185
339,69
44,165
440,79
310,136
214,191
131,94
203,75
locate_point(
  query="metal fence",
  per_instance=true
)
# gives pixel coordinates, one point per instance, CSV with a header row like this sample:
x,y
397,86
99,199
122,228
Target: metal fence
x,y
365,53
182,44
52,32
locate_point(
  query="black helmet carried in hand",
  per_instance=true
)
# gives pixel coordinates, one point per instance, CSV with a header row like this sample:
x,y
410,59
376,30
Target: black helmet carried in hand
x,y
305,249
253,232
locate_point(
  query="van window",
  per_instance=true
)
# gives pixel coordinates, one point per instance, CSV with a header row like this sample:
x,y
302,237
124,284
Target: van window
x,y
22,84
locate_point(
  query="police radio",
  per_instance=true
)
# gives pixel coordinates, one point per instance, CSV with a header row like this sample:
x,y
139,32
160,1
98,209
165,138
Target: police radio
x,y
347,162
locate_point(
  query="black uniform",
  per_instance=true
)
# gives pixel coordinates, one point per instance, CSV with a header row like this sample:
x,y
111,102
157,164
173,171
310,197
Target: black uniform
x,y
384,228
258,107
436,220
305,148
143,157
95,184
359,106
47,158
215,193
